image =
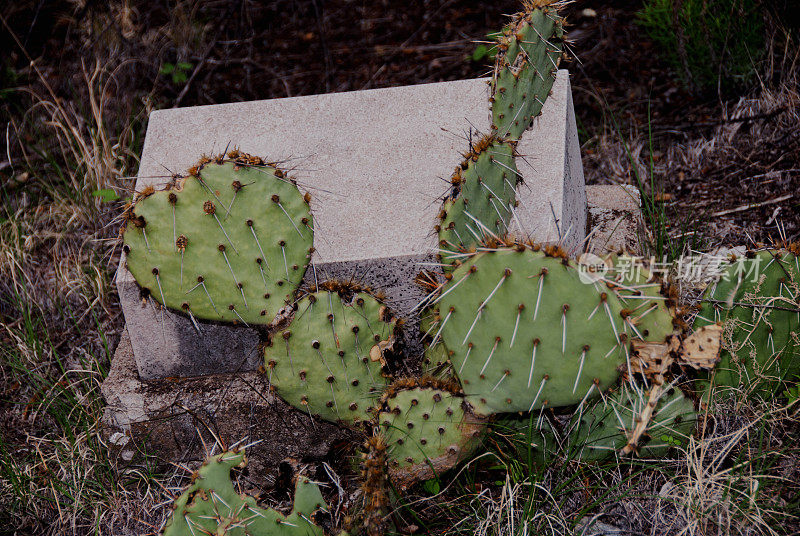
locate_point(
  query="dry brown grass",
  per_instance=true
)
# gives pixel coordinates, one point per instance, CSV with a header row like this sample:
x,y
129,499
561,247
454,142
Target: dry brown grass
x,y
59,316
59,319
749,154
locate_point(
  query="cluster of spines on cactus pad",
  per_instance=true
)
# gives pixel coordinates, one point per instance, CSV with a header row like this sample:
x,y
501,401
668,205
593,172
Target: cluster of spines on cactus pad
x,y
649,312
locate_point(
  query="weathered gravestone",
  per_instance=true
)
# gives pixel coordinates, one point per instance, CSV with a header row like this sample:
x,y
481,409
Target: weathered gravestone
x,y
376,163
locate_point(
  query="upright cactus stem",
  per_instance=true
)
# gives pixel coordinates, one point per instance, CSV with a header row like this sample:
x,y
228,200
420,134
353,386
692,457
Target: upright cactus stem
x,y
529,51
481,203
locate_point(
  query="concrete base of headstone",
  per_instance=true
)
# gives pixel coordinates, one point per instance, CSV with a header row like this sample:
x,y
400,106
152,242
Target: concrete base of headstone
x,y
376,162
615,218
163,417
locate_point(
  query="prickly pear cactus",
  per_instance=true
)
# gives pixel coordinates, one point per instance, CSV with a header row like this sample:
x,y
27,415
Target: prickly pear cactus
x,y
329,361
757,302
229,242
210,505
482,200
525,332
375,485
427,429
529,51
605,427
648,313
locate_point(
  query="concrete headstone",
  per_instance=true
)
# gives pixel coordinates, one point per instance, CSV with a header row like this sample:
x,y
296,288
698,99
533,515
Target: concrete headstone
x,y
376,163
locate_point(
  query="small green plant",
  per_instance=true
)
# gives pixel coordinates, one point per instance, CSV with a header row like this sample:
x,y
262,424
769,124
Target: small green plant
x,y
106,195
486,51
709,43
178,72
212,505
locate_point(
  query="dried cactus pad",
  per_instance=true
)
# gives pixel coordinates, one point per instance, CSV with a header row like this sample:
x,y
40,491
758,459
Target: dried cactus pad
x,y
757,306
329,361
483,198
427,431
524,331
525,69
230,242
604,428
211,505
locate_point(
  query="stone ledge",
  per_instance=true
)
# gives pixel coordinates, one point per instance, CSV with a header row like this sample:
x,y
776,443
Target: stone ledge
x,y
164,419
615,218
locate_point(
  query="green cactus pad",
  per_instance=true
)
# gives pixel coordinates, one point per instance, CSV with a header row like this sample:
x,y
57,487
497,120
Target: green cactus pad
x,y
529,52
426,429
328,362
761,326
482,200
602,430
525,331
647,314
230,242
210,505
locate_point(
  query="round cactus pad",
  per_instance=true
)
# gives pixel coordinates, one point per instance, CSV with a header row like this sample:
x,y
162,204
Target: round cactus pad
x,y
229,243
756,301
524,331
427,431
328,362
